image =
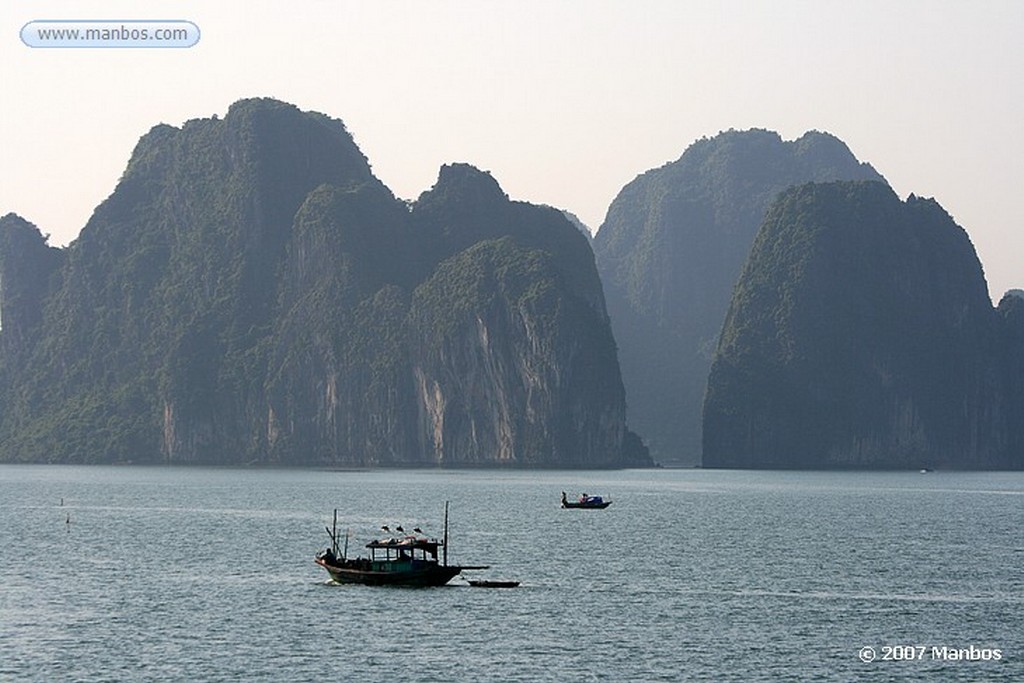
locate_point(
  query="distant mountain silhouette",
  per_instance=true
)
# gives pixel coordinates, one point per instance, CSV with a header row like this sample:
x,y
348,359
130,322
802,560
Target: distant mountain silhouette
x,y
670,252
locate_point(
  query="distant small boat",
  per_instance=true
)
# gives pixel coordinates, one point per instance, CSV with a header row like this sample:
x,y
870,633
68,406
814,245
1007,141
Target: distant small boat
x,y
585,501
492,583
405,561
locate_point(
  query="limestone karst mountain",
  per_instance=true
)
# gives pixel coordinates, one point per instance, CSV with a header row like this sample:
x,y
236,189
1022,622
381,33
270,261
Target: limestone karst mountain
x,y
861,335
670,251
251,293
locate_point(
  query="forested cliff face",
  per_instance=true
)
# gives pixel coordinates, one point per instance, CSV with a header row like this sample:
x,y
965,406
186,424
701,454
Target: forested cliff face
x,y
670,251
27,267
860,334
251,293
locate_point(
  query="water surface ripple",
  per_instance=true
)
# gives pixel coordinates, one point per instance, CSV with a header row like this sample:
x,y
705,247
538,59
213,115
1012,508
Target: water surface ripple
x,y
171,574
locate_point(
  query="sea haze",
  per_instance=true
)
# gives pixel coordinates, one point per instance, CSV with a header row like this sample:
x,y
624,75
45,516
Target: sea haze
x,y
207,574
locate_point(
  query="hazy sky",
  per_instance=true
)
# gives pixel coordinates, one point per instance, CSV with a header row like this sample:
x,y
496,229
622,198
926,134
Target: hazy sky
x,y
563,102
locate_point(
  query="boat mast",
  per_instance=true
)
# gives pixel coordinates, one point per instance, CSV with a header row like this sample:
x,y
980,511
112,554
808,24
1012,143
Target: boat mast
x,y
446,533
334,533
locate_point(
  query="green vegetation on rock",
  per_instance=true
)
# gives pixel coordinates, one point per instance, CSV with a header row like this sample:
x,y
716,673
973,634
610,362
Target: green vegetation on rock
x,y
252,294
860,334
670,251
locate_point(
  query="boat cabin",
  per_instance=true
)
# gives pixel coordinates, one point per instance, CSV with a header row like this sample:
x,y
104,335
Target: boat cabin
x,y
386,554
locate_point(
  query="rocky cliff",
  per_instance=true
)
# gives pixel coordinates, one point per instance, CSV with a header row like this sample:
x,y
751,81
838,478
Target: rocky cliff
x,y
860,334
27,268
669,253
1011,317
251,293
519,315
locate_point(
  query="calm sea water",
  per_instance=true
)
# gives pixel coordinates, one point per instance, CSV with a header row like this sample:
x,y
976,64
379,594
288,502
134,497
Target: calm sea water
x,y
170,574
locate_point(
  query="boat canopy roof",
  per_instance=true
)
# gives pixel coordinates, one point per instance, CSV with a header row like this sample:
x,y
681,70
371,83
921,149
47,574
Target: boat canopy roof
x,y
406,543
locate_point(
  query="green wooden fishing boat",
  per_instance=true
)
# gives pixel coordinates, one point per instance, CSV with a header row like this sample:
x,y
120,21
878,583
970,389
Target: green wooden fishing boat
x,y
410,560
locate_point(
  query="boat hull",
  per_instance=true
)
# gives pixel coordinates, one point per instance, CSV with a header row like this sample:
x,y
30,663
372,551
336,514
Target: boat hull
x,y
588,506
422,576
